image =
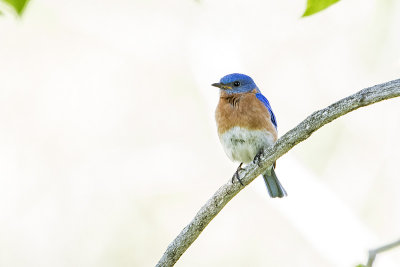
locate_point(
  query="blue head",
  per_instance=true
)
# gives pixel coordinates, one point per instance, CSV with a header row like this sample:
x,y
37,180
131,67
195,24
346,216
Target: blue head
x,y
236,83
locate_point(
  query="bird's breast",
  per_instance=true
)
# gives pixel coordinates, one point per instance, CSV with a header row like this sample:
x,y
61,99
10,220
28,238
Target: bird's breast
x,y
244,126
243,110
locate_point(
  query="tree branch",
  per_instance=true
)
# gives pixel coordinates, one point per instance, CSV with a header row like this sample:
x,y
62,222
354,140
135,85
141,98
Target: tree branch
x,y
301,132
372,253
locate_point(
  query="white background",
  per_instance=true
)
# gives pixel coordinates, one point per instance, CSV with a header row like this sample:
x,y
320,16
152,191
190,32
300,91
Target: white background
x,y
108,145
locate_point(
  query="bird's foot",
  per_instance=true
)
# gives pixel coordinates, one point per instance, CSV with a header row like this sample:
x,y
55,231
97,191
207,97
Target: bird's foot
x,y
257,158
236,175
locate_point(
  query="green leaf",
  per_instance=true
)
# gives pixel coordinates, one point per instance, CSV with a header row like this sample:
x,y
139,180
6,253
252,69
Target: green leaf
x,y
18,5
314,6
361,265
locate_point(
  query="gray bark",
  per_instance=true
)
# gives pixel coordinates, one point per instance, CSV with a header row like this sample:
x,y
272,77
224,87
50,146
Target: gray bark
x,y
372,253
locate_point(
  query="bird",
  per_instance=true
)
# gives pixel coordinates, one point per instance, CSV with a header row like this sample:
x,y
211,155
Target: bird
x,y
246,124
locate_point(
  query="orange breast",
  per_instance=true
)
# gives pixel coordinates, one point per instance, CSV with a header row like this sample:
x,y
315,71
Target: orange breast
x,y
243,110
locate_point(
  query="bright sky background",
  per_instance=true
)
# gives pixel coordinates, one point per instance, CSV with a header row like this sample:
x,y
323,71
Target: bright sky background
x,y
108,145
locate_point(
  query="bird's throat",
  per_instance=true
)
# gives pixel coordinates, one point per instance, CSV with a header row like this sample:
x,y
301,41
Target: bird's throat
x,y
232,99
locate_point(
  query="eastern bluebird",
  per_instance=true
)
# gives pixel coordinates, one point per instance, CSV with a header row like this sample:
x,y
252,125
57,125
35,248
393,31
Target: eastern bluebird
x,y
246,124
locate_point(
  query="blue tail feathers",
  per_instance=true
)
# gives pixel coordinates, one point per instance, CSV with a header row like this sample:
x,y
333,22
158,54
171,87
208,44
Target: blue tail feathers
x,y
275,189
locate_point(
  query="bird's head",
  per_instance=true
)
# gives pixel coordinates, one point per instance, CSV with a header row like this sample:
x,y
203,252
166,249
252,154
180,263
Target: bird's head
x,y
236,83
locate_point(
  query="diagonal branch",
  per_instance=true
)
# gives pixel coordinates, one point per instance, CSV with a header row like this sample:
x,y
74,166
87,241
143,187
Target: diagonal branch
x,y
372,253
301,132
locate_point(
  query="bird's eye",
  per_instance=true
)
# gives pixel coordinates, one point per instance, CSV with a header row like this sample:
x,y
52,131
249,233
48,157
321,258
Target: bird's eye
x,y
236,84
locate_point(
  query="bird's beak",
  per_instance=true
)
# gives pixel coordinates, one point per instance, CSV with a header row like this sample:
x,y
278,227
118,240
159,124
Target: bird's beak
x,y
222,86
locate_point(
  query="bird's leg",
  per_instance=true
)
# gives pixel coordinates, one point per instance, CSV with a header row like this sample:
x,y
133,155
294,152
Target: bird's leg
x,y
236,175
257,158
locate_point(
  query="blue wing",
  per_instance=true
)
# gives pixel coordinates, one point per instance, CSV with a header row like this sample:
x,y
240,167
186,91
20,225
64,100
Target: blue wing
x,y
264,100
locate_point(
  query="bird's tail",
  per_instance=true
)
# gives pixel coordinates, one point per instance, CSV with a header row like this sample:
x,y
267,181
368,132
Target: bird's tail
x,y
275,189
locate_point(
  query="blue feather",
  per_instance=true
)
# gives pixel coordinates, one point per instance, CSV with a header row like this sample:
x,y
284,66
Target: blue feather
x,y
264,100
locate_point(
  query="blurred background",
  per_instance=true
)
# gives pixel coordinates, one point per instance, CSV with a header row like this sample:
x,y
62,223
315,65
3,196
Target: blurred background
x,y
108,145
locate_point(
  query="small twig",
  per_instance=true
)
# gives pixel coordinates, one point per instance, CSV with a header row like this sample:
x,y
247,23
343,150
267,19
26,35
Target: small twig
x,y
372,253
298,134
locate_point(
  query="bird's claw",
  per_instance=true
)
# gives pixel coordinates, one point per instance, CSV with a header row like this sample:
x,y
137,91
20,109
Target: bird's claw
x,y
257,158
236,175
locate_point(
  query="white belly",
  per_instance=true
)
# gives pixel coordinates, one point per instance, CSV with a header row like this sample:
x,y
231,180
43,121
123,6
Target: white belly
x,y
242,145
